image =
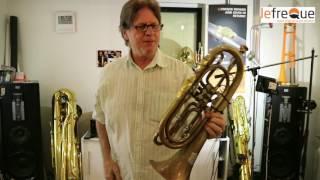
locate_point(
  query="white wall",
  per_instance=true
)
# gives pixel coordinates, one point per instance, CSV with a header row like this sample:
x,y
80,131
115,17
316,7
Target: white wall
x,y
311,38
69,60
307,38
3,11
64,60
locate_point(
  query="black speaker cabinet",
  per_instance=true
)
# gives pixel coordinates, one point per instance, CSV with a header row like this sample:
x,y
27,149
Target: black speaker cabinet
x,y
283,134
20,131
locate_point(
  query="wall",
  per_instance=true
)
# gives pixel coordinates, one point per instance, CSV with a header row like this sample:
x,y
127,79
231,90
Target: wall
x,y
311,38
307,38
3,11
270,52
64,60
69,60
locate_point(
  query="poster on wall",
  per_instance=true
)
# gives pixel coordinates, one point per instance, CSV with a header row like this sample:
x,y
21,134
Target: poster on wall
x,y
227,24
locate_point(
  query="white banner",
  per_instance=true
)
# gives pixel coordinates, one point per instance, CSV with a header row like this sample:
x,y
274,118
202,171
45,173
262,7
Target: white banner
x,y
288,14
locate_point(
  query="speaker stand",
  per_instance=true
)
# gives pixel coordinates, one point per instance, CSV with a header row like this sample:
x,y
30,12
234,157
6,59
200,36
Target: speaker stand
x,y
309,108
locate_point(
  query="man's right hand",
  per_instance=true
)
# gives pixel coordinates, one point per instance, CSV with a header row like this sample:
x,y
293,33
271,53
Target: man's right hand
x,y
111,167
112,170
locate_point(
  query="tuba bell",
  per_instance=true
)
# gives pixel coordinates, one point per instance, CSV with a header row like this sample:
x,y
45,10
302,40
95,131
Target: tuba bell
x,y
216,80
65,149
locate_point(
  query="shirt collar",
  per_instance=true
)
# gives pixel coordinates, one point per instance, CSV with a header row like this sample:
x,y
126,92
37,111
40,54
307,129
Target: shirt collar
x,y
158,60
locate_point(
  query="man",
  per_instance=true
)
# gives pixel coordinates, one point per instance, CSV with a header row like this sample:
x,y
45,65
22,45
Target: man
x,y
134,92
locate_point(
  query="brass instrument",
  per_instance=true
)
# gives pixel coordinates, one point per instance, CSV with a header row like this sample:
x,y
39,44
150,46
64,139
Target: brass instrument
x,y
217,78
187,56
288,53
66,158
240,133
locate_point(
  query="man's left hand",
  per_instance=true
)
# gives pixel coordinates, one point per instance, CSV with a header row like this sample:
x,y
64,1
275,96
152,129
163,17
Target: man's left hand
x,y
215,125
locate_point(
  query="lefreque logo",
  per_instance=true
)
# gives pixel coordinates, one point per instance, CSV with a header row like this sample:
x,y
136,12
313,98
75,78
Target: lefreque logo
x,y
288,14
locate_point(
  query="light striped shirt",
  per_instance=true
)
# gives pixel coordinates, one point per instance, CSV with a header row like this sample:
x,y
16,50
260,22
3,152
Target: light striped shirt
x,y
130,102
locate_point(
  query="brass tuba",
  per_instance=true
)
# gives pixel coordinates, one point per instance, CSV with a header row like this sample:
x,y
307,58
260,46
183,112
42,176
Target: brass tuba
x,y
240,130
65,149
216,80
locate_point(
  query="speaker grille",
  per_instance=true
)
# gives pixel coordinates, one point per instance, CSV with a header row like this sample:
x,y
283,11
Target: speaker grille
x,y
22,164
282,135
19,135
282,164
20,131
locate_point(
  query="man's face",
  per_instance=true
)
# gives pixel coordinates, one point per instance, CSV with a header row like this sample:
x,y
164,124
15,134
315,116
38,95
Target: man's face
x,y
143,43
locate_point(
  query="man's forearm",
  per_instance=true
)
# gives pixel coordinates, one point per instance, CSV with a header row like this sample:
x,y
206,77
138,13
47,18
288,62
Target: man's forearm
x,y
104,141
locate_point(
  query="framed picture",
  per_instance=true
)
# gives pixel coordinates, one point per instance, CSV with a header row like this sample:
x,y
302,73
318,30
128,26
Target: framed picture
x,y
107,56
65,21
179,24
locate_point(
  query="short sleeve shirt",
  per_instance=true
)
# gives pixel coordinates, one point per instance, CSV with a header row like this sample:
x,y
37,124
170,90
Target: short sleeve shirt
x,y
130,102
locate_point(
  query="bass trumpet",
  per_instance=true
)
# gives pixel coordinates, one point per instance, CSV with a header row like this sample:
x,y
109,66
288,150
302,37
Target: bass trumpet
x,y
216,80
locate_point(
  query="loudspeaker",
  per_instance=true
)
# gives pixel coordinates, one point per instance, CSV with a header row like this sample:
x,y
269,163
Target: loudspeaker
x,y
14,41
20,131
283,133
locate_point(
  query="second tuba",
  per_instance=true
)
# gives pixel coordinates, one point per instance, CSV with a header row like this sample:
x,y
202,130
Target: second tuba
x,y
240,134
216,80
65,148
